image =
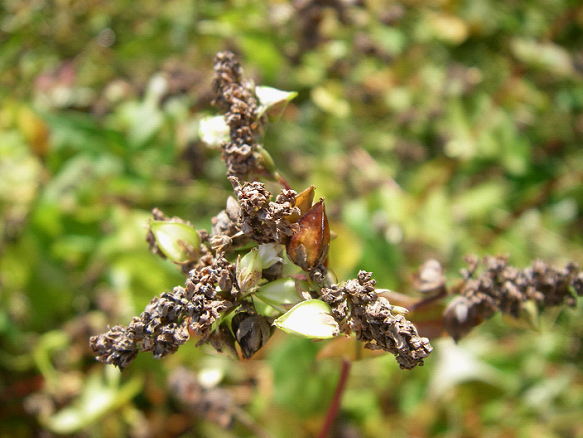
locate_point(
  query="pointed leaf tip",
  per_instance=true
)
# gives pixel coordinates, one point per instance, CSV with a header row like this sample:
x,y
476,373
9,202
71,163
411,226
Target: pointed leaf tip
x,y
272,98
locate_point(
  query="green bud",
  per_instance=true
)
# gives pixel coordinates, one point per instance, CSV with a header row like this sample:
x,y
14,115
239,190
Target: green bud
x,y
279,293
249,269
179,242
310,319
399,310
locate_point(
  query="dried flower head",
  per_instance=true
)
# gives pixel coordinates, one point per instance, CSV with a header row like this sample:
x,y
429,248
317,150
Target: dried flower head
x,y
504,288
357,308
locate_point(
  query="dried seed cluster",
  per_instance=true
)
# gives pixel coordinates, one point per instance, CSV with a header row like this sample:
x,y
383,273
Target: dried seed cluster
x,y
236,98
163,325
159,329
357,308
504,288
264,220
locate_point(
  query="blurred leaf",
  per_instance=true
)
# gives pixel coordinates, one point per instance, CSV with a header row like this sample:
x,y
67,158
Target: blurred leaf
x,y
458,365
548,56
301,384
101,394
35,131
347,347
328,99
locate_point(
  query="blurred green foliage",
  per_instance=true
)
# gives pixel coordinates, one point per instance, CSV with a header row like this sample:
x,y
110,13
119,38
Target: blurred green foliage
x,y
433,129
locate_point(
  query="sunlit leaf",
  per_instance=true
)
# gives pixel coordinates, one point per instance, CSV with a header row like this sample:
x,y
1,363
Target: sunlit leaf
x,y
272,99
310,319
179,242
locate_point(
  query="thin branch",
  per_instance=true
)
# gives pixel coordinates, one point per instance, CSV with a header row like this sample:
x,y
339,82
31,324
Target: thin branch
x,y
336,401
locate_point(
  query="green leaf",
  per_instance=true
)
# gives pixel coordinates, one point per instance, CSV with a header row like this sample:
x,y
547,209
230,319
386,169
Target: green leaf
x,y
179,242
272,98
279,293
310,319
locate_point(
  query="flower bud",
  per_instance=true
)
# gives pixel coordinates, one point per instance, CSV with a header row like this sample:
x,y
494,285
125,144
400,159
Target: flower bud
x,y
269,253
179,242
308,247
398,310
310,319
248,272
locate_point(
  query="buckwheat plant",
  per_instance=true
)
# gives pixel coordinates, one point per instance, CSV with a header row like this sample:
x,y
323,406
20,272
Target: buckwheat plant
x,y
263,266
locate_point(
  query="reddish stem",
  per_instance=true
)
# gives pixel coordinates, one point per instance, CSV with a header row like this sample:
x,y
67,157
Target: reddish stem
x,y
336,400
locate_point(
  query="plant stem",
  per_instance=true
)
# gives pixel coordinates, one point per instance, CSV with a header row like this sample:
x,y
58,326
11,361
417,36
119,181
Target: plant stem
x,y
336,400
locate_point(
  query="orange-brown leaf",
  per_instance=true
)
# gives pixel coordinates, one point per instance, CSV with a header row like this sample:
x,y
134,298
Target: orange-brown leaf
x,y
308,247
304,201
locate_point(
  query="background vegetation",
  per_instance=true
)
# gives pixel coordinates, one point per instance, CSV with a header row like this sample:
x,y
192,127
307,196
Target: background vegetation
x,y
433,129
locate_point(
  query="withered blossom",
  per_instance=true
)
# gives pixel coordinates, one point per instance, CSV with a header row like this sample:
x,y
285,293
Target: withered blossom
x,y
430,278
227,222
504,288
357,308
160,329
